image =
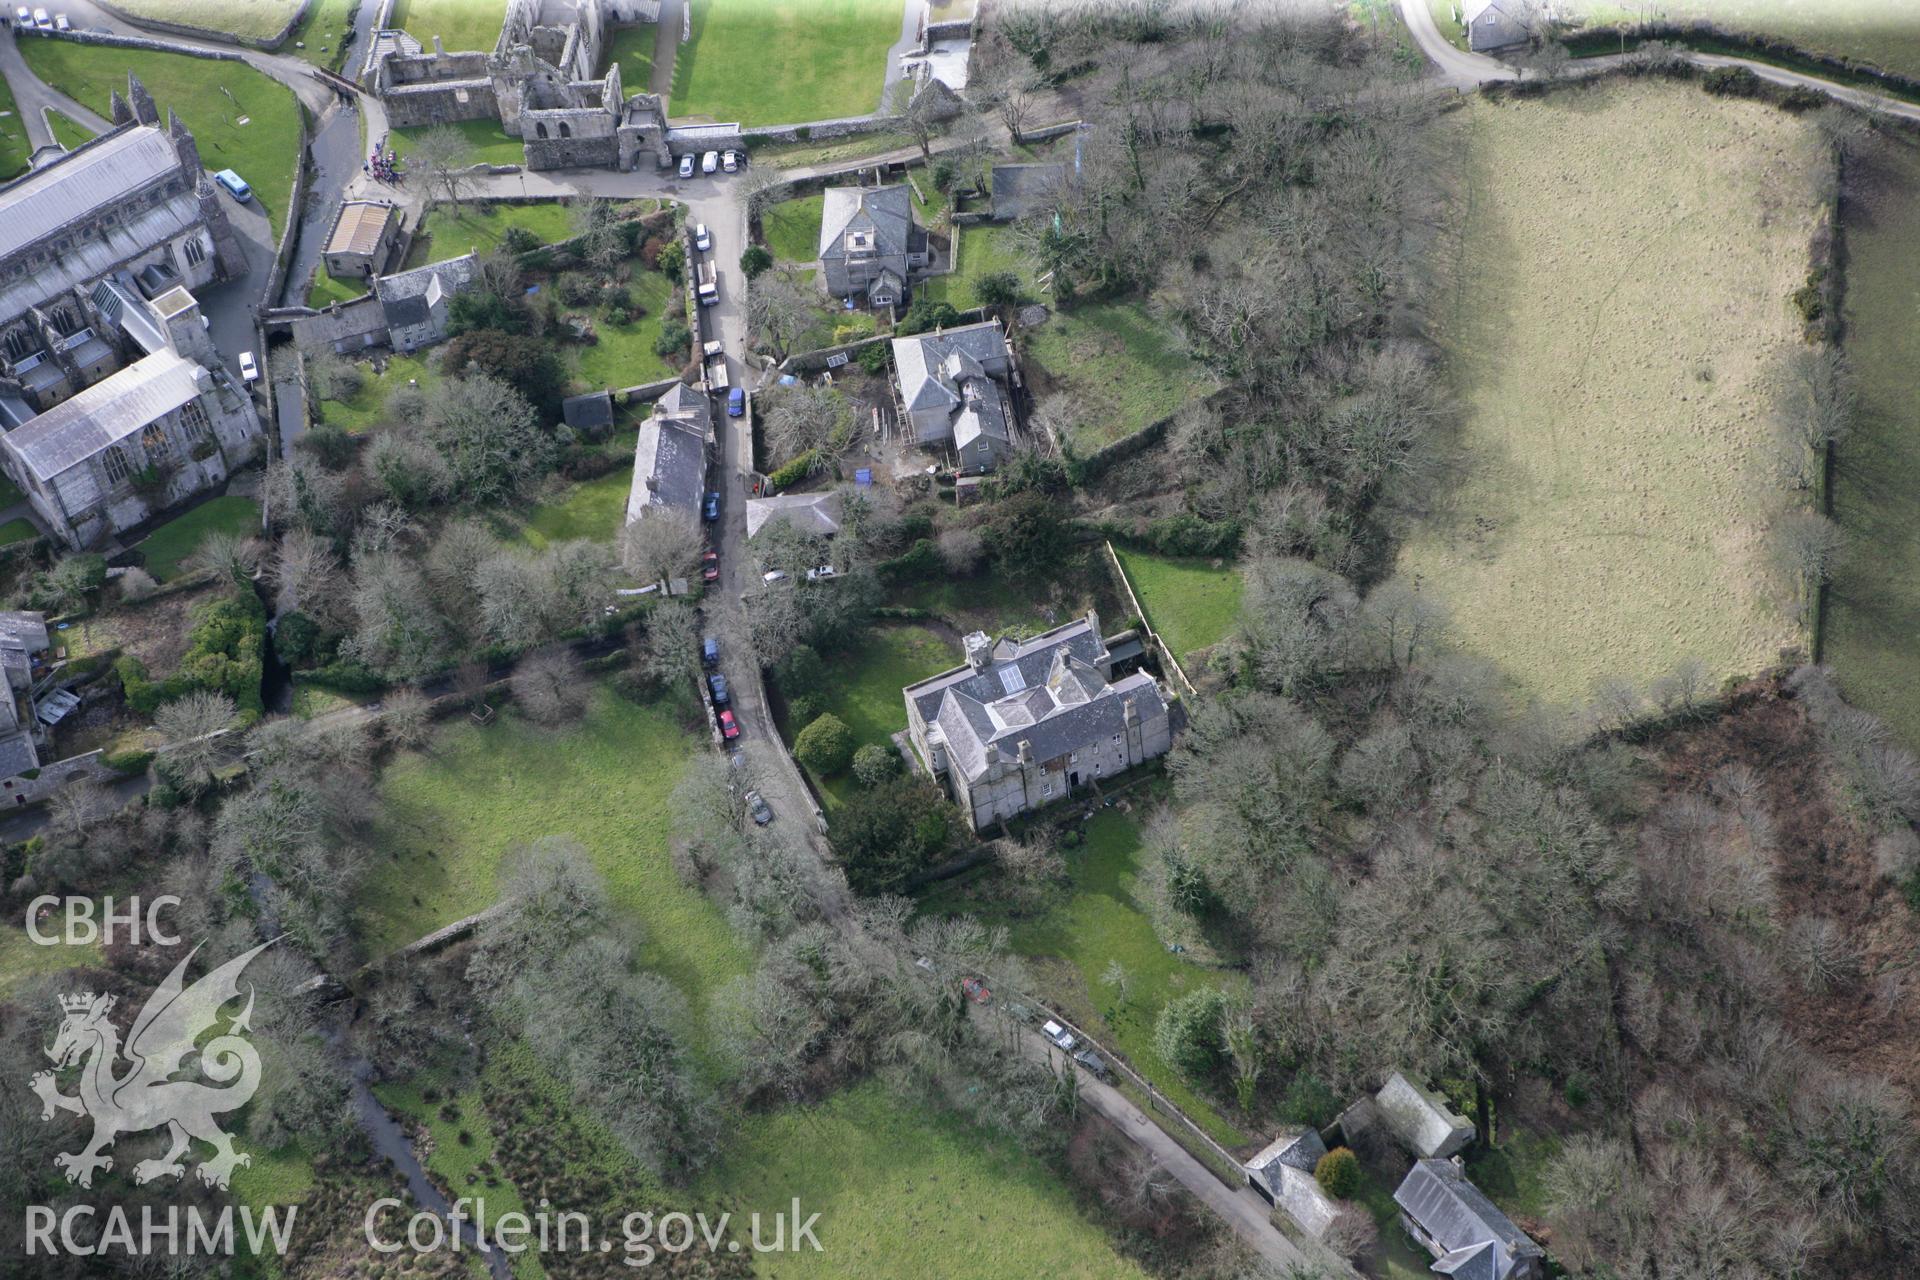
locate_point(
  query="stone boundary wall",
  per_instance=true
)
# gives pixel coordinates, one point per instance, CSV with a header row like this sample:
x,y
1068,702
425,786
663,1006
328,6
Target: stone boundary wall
x,y
289,234
148,42
817,130
203,33
962,30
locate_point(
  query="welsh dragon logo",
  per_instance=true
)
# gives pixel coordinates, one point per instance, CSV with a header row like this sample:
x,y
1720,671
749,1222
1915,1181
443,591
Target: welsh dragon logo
x,y
146,1096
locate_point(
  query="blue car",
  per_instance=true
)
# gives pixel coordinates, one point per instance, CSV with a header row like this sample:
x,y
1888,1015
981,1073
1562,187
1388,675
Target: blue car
x,y
737,402
236,185
712,507
717,686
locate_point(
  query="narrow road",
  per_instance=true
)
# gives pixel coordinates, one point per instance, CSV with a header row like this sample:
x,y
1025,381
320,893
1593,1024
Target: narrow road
x,y
32,96
1243,1210
1465,70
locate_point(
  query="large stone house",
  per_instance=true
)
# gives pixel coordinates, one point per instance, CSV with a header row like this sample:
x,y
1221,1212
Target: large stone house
x,y
869,243
953,389
113,400
1493,24
541,81
670,457
1024,723
416,304
1469,1238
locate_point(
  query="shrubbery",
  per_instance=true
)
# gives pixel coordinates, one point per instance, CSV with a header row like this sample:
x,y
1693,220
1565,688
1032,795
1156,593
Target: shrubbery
x,y
224,654
792,473
1189,1032
1338,1173
825,746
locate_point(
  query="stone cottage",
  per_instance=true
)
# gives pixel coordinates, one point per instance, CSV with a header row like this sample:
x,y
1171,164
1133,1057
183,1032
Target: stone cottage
x,y
1024,723
1468,1236
362,239
953,389
870,244
415,305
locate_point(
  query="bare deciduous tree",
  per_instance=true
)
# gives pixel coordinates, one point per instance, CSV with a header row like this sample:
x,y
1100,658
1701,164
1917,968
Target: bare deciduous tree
x,y
550,687
779,310
663,544
443,158
190,727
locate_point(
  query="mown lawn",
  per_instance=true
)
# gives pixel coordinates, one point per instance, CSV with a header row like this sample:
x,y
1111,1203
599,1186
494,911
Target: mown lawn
x,y
792,228
905,1192
1872,617
166,547
1191,602
488,142
265,150
762,62
624,355
447,232
362,409
325,289
864,690
462,25
18,529
68,133
323,29
985,249
1097,923
223,19
592,509
632,48
1121,367
15,147
453,813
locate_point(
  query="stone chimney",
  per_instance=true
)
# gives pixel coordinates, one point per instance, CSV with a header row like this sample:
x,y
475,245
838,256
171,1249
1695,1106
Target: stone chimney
x,y
1130,712
992,754
143,109
979,650
1026,751
1093,623
439,50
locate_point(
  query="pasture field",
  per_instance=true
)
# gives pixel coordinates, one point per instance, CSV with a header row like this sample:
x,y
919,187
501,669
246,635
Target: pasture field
x,y
1614,325
246,20
265,149
462,25
766,62
1872,617
1880,33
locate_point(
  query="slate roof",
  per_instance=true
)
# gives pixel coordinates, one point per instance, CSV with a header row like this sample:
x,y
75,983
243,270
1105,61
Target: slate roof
x,y
595,409
25,630
817,513
1300,1150
887,212
358,226
1050,692
106,412
1421,1119
683,402
17,755
109,168
407,297
673,456
1478,1242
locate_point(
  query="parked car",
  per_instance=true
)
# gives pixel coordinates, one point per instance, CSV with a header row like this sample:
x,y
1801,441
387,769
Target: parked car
x,y
23,17
710,651
42,20
774,575
1094,1063
709,162
711,508
717,686
1058,1034
757,807
823,572
729,727
702,238
730,161
710,567
249,371
736,402
60,22
236,185
686,165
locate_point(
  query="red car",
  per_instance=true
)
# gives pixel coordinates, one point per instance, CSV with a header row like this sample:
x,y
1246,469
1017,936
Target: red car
x,y
710,567
729,727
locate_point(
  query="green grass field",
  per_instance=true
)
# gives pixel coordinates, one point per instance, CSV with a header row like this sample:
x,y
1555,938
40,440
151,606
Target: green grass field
x,y
447,232
452,814
762,62
866,689
22,958
792,228
323,30
1614,346
1880,33
243,20
1192,603
488,142
166,547
325,289
68,133
463,26
1099,921
1872,617
362,409
18,529
624,356
15,147
902,1192
985,248
632,48
592,509
1121,366
265,150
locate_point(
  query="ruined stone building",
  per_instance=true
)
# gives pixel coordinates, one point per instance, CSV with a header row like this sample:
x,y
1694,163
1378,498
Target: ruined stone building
x,y
541,81
113,400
